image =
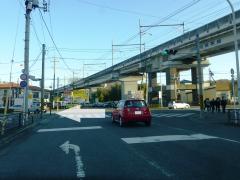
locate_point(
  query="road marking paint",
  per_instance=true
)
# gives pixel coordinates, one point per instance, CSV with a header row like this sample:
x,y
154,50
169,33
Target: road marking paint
x,y
173,115
79,164
165,138
108,115
163,170
76,114
230,140
69,129
187,114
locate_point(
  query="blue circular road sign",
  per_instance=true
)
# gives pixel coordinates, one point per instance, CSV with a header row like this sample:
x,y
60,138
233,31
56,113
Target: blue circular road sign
x,y
23,84
23,77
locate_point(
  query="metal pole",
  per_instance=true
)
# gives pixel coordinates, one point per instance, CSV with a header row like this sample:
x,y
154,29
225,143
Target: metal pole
x,y
140,38
112,53
26,60
42,79
161,89
200,75
235,46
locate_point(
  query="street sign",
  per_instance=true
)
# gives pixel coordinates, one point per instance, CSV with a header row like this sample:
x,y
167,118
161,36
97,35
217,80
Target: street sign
x,y
23,84
23,77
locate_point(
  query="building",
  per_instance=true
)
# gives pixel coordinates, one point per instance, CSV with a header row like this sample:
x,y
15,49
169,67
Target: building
x,y
18,93
220,88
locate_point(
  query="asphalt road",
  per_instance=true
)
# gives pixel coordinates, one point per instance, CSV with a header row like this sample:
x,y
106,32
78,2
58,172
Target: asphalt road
x,y
178,145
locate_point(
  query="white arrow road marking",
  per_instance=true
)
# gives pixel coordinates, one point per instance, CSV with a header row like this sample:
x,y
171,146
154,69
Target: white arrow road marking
x,y
76,114
69,129
165,138
79,164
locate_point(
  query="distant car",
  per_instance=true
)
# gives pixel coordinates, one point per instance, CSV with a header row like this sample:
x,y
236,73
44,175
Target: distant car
x,y
178,105
131,111
108,104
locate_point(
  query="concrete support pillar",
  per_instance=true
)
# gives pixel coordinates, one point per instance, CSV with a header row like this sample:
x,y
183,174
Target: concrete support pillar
x,y
92,91
152,88
172,78
194,73
129,87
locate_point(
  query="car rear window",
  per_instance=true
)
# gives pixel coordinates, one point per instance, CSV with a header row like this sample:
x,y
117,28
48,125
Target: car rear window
x,y
135,104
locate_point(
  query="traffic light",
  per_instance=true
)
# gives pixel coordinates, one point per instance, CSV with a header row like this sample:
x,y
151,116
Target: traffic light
x,y
167,52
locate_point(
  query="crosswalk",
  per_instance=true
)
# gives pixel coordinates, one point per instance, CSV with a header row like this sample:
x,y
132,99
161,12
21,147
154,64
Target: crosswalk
x,y
167,115
170,115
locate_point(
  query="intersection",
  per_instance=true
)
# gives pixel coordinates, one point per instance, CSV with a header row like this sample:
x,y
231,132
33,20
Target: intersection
x,y
96,148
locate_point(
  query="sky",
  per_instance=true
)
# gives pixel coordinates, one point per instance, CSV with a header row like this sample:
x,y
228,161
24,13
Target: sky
x,y
79,34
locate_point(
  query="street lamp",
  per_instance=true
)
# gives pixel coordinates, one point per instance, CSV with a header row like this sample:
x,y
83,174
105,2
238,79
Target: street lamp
x,y
235,46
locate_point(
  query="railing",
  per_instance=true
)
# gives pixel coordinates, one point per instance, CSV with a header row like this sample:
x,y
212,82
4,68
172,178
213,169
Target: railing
x,y
15,121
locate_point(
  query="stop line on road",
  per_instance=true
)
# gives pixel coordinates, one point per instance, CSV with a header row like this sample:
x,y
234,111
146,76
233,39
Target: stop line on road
x,y
172,114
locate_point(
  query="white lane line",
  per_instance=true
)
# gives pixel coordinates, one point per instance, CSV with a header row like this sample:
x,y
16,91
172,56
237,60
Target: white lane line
x,y
108,115
230,140
163,170
165,138
160,115
187,114
173,115
69,129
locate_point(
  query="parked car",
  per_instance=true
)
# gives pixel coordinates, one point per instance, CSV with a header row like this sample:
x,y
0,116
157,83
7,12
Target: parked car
x,y
131,111
178,105
108,104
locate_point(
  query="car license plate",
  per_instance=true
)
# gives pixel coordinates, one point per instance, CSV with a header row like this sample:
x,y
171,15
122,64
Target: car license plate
x,y
138,112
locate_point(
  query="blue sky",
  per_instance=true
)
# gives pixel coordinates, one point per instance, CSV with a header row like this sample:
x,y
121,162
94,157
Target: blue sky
x,y
83,31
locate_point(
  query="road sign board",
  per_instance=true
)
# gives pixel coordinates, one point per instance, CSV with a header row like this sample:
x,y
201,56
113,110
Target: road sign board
x,y
23,84
23,77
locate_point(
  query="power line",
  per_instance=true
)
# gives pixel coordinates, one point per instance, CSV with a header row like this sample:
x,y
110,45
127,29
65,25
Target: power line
x,y
117,9
54,42
36,59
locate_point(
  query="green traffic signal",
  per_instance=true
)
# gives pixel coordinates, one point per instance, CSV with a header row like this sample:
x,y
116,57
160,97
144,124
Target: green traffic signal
x,y
167,52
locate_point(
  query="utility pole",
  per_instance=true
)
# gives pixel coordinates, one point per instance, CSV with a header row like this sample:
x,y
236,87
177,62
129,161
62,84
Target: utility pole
x,y
235,46
200,75
30,5
54,76
42,79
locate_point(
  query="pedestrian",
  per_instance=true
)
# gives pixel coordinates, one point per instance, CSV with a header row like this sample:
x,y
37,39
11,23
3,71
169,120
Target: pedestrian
x,y
212,104
205,104
208,104
217,104
223,104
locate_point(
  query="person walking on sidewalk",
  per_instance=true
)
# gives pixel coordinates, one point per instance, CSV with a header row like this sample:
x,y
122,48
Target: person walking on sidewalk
x,y
218,103
223,104
212,104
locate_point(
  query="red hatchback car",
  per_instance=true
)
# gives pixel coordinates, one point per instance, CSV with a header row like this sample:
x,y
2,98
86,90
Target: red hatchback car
x,y
132,111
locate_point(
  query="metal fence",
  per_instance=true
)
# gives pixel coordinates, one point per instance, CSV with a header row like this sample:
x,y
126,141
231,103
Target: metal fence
x,y
15,121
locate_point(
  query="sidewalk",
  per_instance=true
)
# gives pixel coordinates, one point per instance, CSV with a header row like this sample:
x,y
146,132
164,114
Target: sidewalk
x,y
217,117
12,133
